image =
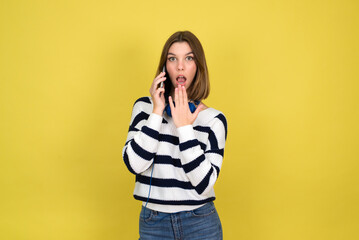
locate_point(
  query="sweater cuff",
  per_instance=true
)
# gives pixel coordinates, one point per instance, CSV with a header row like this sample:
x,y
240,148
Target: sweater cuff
x,y
154,121
185,133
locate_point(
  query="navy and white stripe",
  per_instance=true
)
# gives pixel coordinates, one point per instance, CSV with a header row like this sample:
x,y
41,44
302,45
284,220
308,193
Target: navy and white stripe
x,y
186,160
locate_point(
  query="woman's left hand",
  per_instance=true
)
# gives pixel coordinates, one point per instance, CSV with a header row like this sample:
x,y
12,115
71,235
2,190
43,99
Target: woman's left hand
x,y
181,113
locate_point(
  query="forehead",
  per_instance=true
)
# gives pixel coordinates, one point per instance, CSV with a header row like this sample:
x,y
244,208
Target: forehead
x,y
180,48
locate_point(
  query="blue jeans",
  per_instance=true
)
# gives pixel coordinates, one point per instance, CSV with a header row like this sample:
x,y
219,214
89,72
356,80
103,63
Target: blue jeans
x,y
199,224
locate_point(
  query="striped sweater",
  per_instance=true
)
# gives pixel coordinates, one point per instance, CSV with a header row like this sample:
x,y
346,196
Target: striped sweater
x,y
186,160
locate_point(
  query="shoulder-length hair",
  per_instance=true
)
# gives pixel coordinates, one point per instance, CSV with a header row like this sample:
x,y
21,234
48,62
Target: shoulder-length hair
x,y
199,88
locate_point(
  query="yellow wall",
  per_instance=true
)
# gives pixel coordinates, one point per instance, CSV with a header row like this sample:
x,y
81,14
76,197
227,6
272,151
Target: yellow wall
x,y
285,73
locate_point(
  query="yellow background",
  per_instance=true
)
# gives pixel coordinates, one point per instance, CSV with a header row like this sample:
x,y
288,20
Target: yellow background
x,y
285,73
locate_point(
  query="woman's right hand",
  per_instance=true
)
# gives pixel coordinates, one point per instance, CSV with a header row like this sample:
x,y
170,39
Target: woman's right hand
x,y
157,94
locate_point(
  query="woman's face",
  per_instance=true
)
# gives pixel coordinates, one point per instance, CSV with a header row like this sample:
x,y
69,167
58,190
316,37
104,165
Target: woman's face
x,y
180,64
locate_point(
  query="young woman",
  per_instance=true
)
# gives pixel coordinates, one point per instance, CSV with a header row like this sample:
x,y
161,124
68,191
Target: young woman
x,y
175,147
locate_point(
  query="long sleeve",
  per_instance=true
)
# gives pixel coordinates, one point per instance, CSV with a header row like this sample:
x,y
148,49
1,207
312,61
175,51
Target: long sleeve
x,y
202,167
142,139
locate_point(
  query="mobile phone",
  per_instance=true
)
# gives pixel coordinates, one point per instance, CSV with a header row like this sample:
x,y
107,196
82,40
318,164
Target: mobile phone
x,y
163,70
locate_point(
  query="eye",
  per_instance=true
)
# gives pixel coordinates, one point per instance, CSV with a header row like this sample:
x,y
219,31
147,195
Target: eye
x,y
189,58
171,59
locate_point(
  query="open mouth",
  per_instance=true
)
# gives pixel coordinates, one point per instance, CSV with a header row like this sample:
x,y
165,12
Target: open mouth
x,y
181,80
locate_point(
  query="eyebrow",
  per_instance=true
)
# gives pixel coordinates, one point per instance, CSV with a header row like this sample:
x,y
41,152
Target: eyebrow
x,y
175,54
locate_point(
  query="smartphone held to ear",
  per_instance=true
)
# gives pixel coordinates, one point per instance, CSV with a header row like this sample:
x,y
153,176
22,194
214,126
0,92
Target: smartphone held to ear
x,y
163,70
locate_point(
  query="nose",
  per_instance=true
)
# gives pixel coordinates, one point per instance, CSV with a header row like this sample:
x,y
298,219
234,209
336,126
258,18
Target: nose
x,y
180,65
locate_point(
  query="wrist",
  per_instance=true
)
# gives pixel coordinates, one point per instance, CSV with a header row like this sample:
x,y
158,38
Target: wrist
x,y
158,111
182,124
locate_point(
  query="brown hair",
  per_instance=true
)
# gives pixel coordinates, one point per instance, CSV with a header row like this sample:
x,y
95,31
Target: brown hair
x,y
199,88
